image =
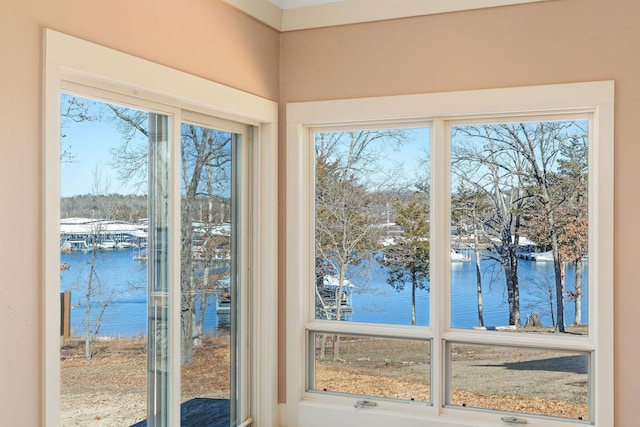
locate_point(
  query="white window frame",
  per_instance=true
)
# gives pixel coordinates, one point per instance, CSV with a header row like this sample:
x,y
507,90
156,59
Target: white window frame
x,y
594,100
74,65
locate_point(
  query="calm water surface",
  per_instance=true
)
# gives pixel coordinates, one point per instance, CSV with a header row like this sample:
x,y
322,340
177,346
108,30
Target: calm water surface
x,y
120,273
374,300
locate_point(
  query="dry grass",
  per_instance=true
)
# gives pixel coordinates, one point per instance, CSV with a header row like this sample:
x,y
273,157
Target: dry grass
x,y
110,389
538,382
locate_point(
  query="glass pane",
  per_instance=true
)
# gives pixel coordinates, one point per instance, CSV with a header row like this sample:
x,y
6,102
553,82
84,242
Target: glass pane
x,y
209,279
103,237
377,367
372,225
520,226
531,381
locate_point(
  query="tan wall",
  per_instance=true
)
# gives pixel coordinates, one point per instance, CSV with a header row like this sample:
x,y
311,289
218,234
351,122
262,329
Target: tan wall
x,y
550,42
204,37
541,43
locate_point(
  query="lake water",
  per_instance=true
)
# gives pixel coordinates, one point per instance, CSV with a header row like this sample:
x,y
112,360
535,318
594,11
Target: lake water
x,y
379,302
373,299
126,314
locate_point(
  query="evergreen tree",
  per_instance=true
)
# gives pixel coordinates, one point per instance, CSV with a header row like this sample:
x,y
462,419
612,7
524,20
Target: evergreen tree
x,y
407,260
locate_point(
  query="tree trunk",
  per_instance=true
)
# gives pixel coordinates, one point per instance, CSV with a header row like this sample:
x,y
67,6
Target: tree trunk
x,y
89,339
187,316
558,267
513,291
336,343
476,251
186,337
577,318
558,263
553,315
187,307
323,340
198,329
414,284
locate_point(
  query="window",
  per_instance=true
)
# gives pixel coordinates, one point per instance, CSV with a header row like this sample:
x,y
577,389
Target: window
x,y
208,228
423,253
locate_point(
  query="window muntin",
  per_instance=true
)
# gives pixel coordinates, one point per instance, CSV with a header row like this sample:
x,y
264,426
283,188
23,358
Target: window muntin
x,y
561,102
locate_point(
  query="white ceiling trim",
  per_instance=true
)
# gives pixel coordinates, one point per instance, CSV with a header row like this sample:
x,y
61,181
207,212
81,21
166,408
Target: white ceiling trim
x,y
355,11
292,4
262,10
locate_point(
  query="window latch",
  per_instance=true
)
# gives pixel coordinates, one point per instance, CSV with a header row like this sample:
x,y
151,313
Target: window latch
x,y
365,404
514,420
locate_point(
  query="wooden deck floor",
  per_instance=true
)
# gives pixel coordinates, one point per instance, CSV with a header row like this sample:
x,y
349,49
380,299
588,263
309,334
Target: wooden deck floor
x,y
202,412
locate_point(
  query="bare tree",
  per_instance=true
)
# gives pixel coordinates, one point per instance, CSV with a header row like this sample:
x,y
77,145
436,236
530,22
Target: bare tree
x,y
347,177
206,163
97,294
130,157
344,231
469,207
212,257
481,164
348,180
359,152
531,153
72,109
545,298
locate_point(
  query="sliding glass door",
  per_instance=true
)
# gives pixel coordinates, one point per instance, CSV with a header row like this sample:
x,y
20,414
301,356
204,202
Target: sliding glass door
x,y
152,258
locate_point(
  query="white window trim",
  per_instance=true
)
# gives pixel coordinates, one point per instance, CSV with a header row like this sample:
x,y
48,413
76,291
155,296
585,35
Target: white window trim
x,y
69,61
312,409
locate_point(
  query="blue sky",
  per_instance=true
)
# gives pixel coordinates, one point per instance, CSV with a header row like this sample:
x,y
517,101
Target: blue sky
x,y
411,157
395,167
89,143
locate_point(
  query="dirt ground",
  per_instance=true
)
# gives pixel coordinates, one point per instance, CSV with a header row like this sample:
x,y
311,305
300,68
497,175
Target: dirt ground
x,y
110,389
529,381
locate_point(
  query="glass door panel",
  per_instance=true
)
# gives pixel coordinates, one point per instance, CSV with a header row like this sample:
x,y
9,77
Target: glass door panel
x,y
103,262
210,280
